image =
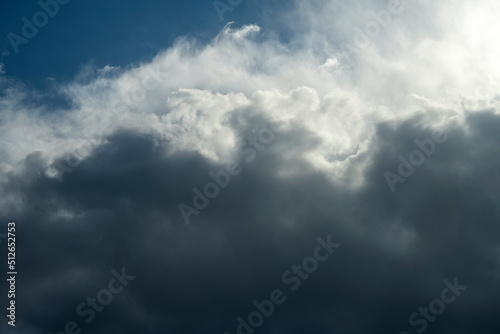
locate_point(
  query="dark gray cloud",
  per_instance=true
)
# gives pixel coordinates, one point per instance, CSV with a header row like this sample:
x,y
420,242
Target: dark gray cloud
x,y
119,208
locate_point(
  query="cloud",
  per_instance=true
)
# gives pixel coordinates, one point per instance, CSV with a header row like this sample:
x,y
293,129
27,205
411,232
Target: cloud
x,y
136,140
119,207
339,99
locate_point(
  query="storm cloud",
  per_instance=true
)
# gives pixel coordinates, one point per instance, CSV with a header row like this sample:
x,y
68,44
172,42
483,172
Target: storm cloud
x,y
96,184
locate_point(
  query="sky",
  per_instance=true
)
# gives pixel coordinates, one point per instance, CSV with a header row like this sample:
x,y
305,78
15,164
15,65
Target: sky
x,y
250,166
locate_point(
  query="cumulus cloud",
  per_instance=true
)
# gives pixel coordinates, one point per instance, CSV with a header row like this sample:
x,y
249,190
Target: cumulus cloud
x,y
97,185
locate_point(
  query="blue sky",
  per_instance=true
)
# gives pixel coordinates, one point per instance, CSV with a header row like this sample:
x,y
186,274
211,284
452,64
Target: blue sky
x,y
117,33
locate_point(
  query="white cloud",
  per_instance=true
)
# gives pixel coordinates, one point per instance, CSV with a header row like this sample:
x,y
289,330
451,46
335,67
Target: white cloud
x,y
106,69
190,94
